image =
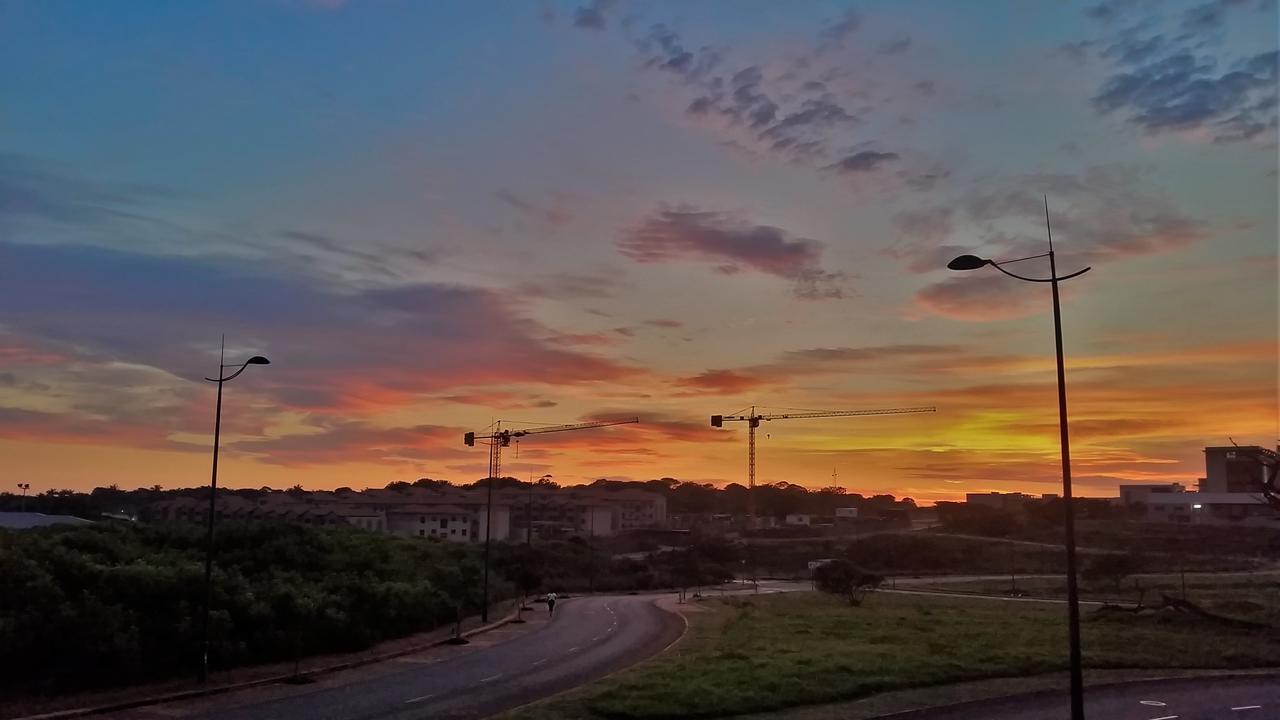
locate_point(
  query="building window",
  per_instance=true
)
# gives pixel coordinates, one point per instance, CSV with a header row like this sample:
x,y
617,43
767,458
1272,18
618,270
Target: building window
x,y
464,531
444,523
453,532
422,518
421,533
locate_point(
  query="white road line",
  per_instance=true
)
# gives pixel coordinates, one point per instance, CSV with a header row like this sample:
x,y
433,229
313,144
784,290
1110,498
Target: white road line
x,y
492,677
1248,707
539,662
1166,717
1156,703
575,648
418,699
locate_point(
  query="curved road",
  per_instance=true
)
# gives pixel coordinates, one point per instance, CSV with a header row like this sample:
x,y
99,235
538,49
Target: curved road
x,y
587,638
1225,698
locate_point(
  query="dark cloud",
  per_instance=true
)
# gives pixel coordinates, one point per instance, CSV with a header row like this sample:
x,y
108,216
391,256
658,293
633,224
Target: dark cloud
x,y
1186,92
687,234
863,161
32,189
773,120
554,214
895,47
665,323
1163,75
833,36
332,349
719,382
593,15
571,286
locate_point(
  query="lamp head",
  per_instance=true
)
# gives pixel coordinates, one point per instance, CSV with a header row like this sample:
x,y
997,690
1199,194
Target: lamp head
x,y
968,262
258,360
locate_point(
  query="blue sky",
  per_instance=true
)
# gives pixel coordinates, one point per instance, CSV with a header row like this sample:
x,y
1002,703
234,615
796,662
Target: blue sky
x,y
434,215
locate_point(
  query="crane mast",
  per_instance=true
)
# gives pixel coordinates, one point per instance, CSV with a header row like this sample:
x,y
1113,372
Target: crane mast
x,y
497,439
753,422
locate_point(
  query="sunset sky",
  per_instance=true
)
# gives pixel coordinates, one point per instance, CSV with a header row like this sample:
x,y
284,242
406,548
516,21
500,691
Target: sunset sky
x,y
432,215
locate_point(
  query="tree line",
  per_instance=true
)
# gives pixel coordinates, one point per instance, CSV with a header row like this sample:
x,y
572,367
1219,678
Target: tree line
x,y
115,603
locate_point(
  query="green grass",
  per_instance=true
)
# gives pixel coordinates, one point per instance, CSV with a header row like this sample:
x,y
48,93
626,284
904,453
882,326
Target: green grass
x,y
778,651
1249,596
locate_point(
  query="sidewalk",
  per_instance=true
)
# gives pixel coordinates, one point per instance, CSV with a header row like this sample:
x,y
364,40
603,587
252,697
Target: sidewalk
x,y
96,702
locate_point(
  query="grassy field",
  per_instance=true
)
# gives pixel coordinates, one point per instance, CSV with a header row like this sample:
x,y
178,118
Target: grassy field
x,y
776,651
1249,596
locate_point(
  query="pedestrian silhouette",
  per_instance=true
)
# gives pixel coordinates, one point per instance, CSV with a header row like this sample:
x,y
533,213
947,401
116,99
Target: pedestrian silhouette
x,y
551,603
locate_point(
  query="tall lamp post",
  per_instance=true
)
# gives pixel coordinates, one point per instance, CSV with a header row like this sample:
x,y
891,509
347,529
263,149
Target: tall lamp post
x,y
24,487
213,495
972,262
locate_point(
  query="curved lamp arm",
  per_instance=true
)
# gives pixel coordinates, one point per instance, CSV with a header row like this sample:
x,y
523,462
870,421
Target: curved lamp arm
x,y
255,360
1077,273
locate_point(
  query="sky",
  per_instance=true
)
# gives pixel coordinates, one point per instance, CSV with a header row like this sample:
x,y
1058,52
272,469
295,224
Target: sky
x,y
435,216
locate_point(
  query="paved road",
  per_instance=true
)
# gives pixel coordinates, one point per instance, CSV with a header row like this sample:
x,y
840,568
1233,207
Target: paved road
x,y
1254,698
588,637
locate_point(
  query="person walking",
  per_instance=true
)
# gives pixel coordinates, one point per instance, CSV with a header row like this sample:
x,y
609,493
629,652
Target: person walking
x,y
551,603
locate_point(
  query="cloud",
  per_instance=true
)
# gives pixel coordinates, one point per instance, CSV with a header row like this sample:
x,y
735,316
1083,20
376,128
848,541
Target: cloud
x,y
720,382
1098,216
863,161
554,215
333,350
896,46
664,323
834,34
593,15
779,114
572,286
336,442
1164,76
965,298
1183,92
688,234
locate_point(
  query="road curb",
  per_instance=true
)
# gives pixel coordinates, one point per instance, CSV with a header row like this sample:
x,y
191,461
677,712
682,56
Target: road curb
x,y
1208,675
274,679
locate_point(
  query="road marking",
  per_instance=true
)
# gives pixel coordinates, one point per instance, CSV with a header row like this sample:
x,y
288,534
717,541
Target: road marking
x,y
1157,703
539,662
575,648
1166,717
1248,707
418,699
492,677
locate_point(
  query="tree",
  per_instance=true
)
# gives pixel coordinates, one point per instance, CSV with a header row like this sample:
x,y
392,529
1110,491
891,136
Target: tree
x,y
841,577
1114,567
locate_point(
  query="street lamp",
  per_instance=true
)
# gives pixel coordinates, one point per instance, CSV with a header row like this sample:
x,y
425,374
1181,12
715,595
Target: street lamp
x,y
24,487
973,262
213,494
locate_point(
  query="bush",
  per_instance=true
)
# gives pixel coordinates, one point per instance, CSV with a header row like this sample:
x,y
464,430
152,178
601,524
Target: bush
x,y
841,577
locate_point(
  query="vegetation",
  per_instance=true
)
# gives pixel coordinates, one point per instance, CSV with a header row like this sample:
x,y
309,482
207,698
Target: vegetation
x,y
844,579
776,651
774,500
113,603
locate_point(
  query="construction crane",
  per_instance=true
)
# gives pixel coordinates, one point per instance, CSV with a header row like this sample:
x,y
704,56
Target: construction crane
x,y
753,420
497,438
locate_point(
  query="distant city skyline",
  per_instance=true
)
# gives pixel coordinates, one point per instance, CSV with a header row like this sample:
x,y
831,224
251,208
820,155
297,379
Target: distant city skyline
x,y
433,215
